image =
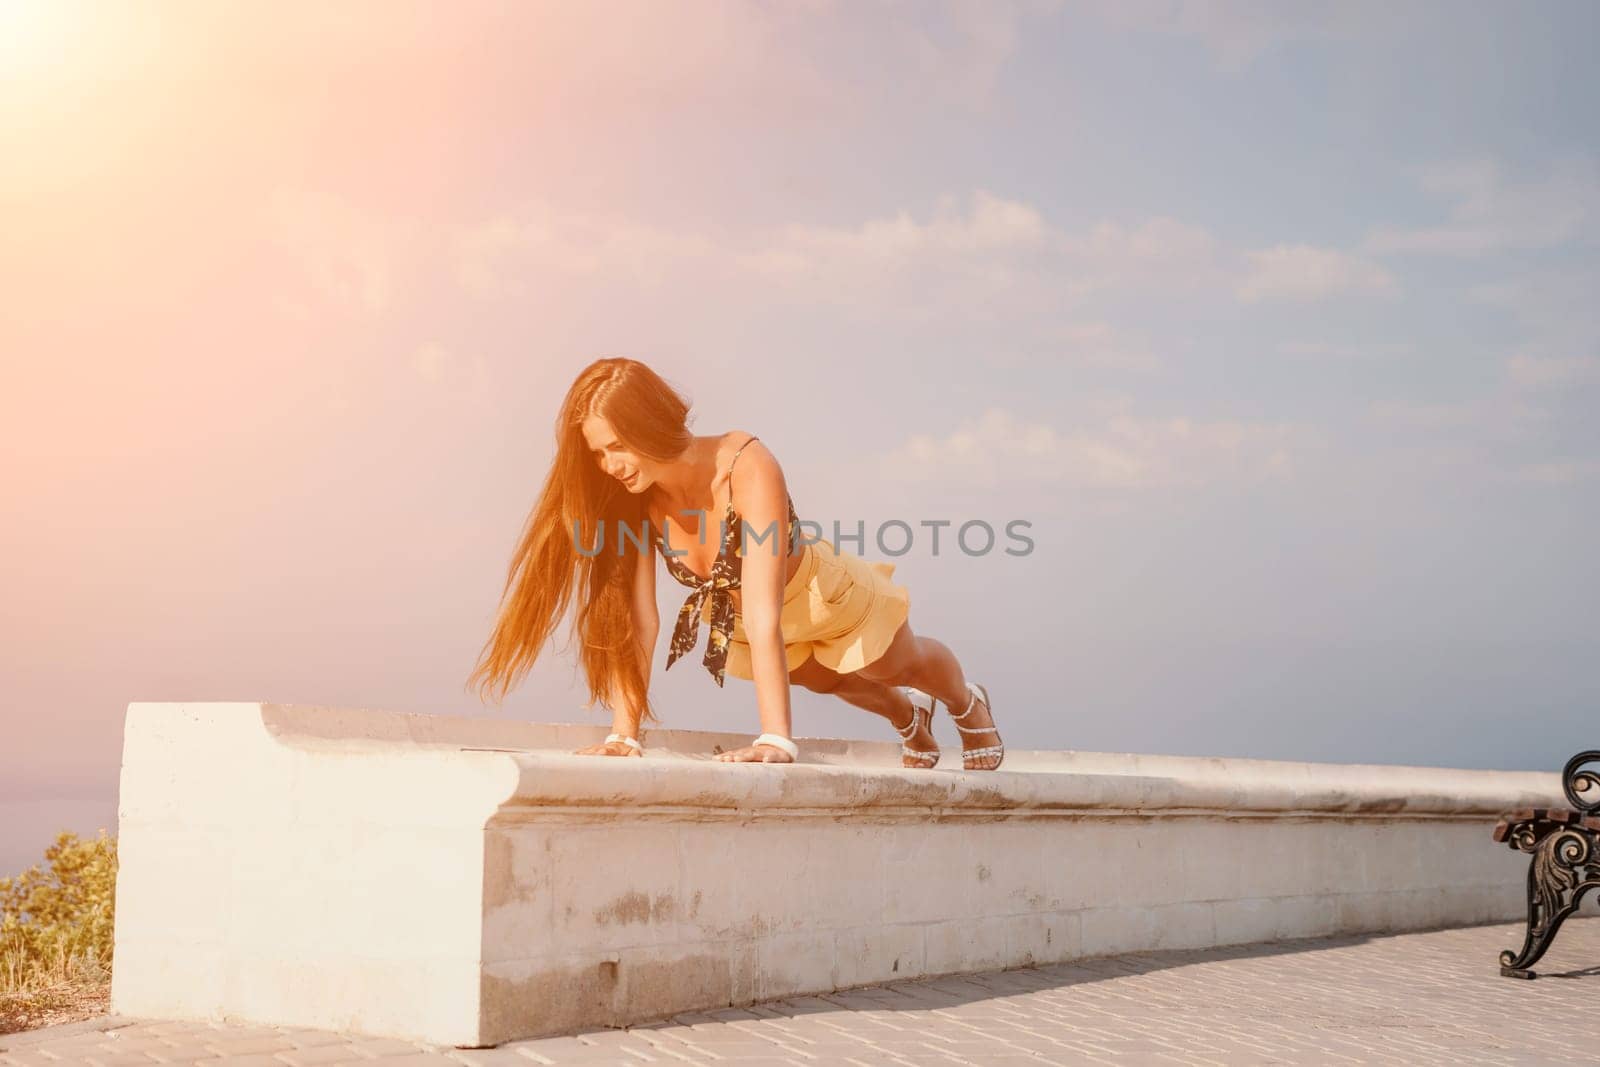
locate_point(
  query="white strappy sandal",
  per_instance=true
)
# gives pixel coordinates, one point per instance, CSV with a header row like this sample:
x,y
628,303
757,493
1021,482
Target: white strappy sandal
x,y
970,755
921,713
782,744
631,742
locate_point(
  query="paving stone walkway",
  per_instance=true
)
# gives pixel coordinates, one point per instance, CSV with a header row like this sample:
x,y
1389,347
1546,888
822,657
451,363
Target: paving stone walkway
x,y
1428,998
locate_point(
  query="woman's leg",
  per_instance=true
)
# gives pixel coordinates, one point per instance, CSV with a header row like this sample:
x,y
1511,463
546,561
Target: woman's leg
x,y
928,664
876,697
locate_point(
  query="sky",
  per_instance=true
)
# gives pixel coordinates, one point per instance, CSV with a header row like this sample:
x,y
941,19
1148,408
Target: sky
x,y
1275,323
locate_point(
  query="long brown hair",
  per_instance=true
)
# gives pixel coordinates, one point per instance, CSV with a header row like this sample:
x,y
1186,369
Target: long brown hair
x,y
651,419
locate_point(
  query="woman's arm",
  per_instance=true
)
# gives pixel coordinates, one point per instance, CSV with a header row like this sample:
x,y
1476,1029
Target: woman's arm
x,y
625,717
646,625
761,496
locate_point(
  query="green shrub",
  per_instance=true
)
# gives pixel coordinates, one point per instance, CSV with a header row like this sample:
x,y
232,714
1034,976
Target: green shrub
x,y
56,922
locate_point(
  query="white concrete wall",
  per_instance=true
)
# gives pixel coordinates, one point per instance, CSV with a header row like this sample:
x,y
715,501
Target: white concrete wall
x,y
468,881
276,881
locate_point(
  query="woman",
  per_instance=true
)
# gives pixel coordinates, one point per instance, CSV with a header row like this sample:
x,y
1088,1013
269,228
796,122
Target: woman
x,y
630,479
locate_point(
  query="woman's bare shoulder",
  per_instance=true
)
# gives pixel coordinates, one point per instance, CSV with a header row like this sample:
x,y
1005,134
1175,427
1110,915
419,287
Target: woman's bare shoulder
x,y
757,472
746,446
731,446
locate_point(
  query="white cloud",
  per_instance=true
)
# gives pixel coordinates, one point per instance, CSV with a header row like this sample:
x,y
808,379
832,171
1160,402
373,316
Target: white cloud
x,y
1558,472
993,225
984,37
1548,299
991,259
1099,344
1560,321
1499,416
1306,272
1116,451
1236,33
1556,309
1427,416
1490,213
1334,350
1533,372
988,256
1472,439
738,62
504,256
447,372
348,255
1157,250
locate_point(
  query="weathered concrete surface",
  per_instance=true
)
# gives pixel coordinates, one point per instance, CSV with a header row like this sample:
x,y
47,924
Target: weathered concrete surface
x,y
469,881
1407,999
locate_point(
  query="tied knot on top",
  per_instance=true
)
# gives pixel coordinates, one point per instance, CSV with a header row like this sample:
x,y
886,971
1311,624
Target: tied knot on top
x,y
686,632
717,588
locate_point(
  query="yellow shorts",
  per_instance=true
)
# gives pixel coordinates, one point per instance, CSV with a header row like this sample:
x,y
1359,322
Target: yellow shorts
x,y
838,607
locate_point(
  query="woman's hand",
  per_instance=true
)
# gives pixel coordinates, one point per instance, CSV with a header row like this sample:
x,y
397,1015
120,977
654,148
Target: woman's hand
x,y
609,748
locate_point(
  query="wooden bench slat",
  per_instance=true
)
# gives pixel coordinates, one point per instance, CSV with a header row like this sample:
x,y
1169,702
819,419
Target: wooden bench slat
x,y
1556,816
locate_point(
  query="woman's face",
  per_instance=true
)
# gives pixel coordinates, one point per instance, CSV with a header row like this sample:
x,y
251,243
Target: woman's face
x,y
634,471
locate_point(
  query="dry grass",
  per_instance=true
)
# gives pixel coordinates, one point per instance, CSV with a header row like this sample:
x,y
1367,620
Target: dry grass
x,y
68,1003
55,935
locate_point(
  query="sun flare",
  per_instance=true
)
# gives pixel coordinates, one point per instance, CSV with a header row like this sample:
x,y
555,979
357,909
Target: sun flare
x,y
33,35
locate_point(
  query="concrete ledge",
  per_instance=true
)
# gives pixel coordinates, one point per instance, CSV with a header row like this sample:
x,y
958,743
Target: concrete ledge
x,y
44,1034
469,881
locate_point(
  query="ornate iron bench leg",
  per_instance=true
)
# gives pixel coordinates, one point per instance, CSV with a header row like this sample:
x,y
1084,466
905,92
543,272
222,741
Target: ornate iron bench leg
x,y
1565,863
1554,892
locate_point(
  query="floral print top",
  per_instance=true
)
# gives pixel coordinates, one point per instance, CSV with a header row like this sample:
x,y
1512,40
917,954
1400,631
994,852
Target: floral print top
x,y
725,573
